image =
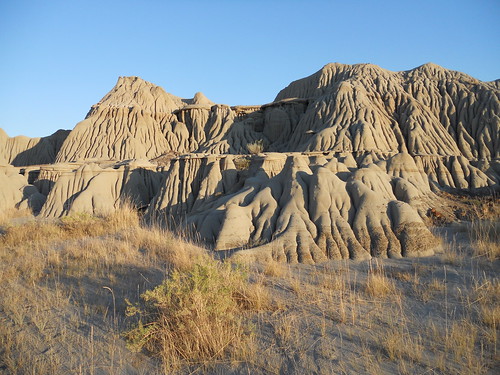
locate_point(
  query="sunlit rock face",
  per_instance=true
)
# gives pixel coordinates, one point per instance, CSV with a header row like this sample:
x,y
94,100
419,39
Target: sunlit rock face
x,y
348,160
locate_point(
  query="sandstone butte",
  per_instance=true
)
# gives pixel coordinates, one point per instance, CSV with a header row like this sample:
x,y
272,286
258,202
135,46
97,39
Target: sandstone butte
x,y
346,163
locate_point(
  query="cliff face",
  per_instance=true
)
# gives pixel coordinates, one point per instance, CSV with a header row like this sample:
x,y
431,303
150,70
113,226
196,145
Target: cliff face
x,y
427,111
353,156
22,151
300,208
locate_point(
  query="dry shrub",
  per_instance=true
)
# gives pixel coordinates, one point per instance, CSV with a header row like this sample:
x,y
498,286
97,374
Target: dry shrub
x,y
195,316
242,163
256,147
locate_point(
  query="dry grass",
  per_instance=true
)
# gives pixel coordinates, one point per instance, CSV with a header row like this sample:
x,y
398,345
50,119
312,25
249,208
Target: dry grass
x,y
429,290
461,340
95,264
400,345
62,281
378,284
485,236
486,301
490,315
274,269
64,284
14,214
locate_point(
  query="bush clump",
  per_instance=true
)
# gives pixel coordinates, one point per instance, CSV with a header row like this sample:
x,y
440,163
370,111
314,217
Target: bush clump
x,y
256,147
193,317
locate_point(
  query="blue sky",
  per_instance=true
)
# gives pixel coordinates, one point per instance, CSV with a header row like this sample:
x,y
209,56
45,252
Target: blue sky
x,y
57,58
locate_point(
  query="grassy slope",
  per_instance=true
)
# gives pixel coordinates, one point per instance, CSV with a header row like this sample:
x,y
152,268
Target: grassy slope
x,y
64,284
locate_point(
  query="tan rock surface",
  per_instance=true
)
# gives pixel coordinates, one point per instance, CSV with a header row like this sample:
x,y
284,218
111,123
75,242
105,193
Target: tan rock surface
x,y
304,213
352,156
21,150
97,190
16,192
427,110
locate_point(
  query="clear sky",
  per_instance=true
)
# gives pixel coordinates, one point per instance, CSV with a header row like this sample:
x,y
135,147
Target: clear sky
x,y
58,57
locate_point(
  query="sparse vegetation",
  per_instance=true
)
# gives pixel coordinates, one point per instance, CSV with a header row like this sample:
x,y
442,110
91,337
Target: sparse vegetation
x,y
485,235
378,285
64,286
195,316
256,147
242,163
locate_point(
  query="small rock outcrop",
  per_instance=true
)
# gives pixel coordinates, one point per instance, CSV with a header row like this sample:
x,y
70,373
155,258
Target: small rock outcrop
x,y
17,192
98,190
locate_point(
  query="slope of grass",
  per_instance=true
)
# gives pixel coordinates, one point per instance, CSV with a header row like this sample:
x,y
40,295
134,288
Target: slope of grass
x,y
77,294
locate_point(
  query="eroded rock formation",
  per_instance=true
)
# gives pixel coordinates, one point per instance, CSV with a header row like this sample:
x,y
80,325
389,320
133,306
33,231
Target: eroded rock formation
x,y
297,207
22,151
353,155
16,192
97,189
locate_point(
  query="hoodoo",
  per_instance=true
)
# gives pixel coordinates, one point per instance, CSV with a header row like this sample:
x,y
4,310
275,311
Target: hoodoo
x,y
342,164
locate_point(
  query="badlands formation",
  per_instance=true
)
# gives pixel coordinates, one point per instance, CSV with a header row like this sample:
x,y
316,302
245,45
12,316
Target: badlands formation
x,y
345,163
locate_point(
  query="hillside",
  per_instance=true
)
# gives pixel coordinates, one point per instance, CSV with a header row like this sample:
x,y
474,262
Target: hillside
x,y
351,226
345,163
